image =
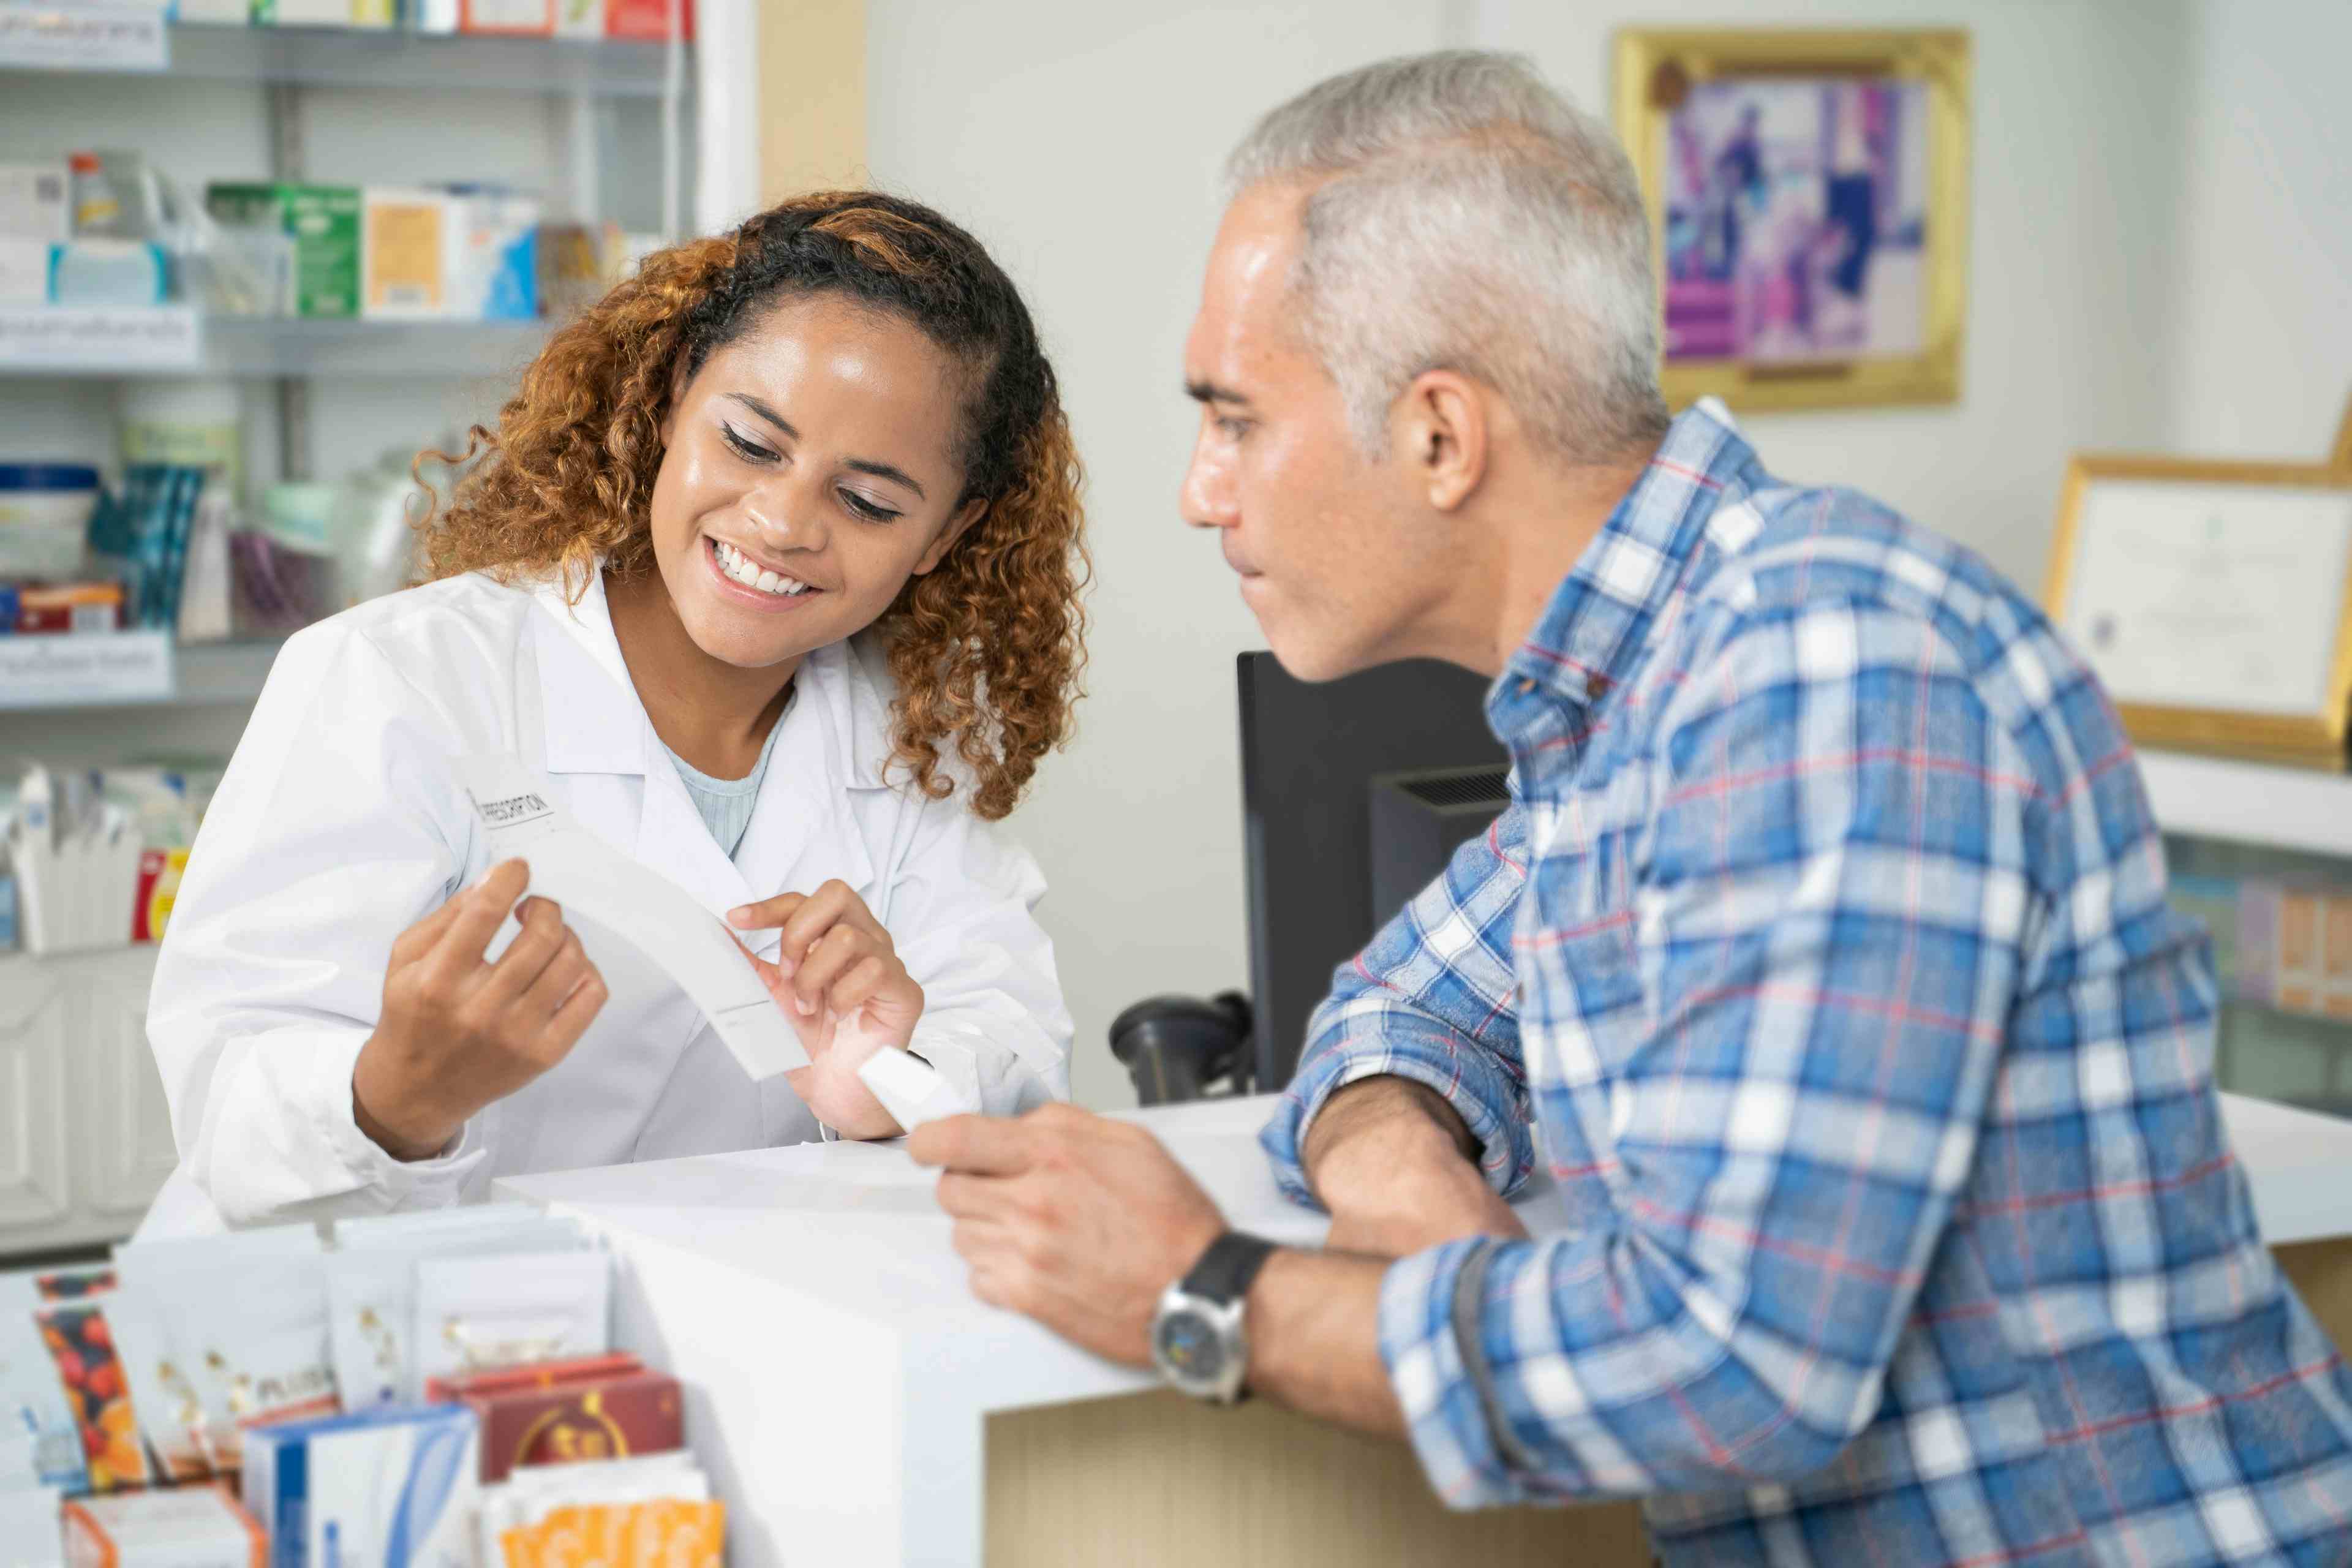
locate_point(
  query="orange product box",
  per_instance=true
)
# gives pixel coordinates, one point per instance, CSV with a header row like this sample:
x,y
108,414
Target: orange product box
x,y
673,1531
180,1526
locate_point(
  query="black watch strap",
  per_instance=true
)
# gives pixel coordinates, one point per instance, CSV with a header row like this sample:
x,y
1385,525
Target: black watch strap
x,y
1226,1269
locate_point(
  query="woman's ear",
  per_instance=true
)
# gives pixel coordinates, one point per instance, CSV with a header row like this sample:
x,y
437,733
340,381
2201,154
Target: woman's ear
x,y
972,512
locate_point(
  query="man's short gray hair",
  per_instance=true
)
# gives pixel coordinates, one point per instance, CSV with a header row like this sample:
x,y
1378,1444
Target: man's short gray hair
x,y
1467,216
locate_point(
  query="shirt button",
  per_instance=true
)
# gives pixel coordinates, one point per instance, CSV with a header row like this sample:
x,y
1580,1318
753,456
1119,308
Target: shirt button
x,y
1525,686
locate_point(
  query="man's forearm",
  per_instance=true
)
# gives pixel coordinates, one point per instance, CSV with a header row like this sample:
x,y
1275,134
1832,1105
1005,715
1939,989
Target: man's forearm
x,y
1400,1118
1314,1335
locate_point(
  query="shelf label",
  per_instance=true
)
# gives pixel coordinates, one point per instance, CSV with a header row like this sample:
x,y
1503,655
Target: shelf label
x,y
61,671
67,337
84,34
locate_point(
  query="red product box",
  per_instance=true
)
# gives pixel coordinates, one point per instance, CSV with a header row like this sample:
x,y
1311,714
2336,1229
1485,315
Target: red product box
x,y
647,19
609,1408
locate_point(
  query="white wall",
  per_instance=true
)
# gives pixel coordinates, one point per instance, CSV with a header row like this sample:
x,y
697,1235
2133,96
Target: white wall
x,y
1083,144
2263,322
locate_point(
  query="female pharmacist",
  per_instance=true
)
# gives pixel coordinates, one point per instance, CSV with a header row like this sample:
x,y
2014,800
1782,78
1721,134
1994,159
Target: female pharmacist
x,y
771,570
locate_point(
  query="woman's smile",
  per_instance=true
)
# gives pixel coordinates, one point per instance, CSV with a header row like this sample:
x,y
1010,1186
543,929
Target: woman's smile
x,y
750,583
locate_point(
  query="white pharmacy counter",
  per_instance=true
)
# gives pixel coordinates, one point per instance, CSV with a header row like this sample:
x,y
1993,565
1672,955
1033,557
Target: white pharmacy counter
x,y
856,1404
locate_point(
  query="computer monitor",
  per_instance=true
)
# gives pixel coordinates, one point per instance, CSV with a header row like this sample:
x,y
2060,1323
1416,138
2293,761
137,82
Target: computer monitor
x,y
1405,742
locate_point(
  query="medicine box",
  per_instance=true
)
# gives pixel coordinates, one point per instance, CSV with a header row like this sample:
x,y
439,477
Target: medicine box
x,y
528,17
394,1487
186,1527
405,243
324,221
493,261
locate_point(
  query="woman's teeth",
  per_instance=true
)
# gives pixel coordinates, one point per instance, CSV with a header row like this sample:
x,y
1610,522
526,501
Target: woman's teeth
x,y
740,567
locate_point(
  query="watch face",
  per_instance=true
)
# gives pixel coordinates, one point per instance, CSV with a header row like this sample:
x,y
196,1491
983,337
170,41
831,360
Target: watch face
x,y
1189,1347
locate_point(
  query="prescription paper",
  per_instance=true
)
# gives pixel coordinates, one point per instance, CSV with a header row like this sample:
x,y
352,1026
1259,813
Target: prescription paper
x,y
586,877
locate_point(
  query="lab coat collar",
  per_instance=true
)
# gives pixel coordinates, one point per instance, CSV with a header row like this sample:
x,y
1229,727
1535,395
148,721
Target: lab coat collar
x,y
589,707
596,725
836,738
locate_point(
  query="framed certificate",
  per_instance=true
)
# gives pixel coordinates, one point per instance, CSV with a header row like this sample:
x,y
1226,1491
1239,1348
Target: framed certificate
x,y
2214,600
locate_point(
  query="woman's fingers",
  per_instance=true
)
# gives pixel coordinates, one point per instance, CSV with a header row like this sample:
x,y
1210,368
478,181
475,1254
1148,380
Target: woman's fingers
x,y
765,914
543,935
835,954
479,911
563,970
572,1020
858,985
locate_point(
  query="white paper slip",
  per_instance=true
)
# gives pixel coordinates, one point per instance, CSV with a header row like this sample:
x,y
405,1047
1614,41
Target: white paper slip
x,y
910,1089
587,878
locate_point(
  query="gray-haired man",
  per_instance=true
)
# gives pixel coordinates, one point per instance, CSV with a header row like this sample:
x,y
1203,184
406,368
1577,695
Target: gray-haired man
x,y
1826,940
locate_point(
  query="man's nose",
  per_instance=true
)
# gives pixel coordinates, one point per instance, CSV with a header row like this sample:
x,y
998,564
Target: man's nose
x,y
1206,499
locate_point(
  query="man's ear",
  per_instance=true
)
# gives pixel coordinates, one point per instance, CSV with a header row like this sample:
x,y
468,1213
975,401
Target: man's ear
x,y
972,511
1438,432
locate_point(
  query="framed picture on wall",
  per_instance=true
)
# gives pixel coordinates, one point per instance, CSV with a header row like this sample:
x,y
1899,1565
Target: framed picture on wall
x,y
2213,599
1809,204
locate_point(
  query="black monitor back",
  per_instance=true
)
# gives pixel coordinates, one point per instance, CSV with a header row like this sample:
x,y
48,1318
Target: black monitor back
x,y
1310,757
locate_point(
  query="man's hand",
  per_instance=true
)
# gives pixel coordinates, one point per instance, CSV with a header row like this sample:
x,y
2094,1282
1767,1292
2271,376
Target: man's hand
x,y
1398,1171
1073,1219
839,979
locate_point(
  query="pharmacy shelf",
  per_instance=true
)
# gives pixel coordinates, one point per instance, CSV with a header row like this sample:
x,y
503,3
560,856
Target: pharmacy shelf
x,y
376,350
174,341
130,669
355,56
2296,809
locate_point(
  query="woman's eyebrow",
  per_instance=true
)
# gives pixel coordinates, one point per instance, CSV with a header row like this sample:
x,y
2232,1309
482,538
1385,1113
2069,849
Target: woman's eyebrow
x,y
860,465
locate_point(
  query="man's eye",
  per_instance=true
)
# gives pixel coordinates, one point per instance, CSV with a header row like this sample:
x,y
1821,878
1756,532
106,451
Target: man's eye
x,y
1233,429
750,451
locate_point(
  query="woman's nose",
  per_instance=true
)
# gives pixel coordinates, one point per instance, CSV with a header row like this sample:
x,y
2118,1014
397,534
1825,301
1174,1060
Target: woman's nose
x,y
785,519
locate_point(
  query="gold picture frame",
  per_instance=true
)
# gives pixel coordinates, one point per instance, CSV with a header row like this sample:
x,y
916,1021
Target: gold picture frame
x,y
2312,738
2342,456
1656,74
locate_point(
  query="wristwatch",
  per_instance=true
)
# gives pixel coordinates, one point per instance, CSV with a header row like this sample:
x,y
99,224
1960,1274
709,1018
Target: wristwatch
x,y
1196,1334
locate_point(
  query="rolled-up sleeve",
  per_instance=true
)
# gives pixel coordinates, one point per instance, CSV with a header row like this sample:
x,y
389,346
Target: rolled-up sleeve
x,y
1432,999
1830,922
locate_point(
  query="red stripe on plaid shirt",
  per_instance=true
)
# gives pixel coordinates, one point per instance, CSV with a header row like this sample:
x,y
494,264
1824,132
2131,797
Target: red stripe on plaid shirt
x,y
1824,1258
1963,1212
1845,760
2199,1408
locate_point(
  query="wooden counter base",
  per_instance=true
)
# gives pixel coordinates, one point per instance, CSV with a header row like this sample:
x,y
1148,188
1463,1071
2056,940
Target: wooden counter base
x,y
1153,1478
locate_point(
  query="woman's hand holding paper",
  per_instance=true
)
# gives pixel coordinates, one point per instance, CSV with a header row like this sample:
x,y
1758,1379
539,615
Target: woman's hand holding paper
x,y
458,1032
838,977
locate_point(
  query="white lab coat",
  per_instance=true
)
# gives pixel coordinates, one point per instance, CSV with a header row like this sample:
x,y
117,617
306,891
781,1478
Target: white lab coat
x,y
340,824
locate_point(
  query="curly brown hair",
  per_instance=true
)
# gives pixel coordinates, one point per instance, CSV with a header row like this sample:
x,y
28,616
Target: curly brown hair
x,y
986,650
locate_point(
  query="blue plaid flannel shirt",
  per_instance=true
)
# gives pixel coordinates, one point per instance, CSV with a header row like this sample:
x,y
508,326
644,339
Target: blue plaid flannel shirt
x,y
1826,940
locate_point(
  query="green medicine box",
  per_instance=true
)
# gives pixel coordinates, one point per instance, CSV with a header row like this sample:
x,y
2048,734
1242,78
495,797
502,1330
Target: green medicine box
x,y
325,222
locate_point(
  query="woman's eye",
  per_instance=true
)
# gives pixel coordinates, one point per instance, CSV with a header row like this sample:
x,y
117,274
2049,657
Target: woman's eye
x,y
750,451
866,509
